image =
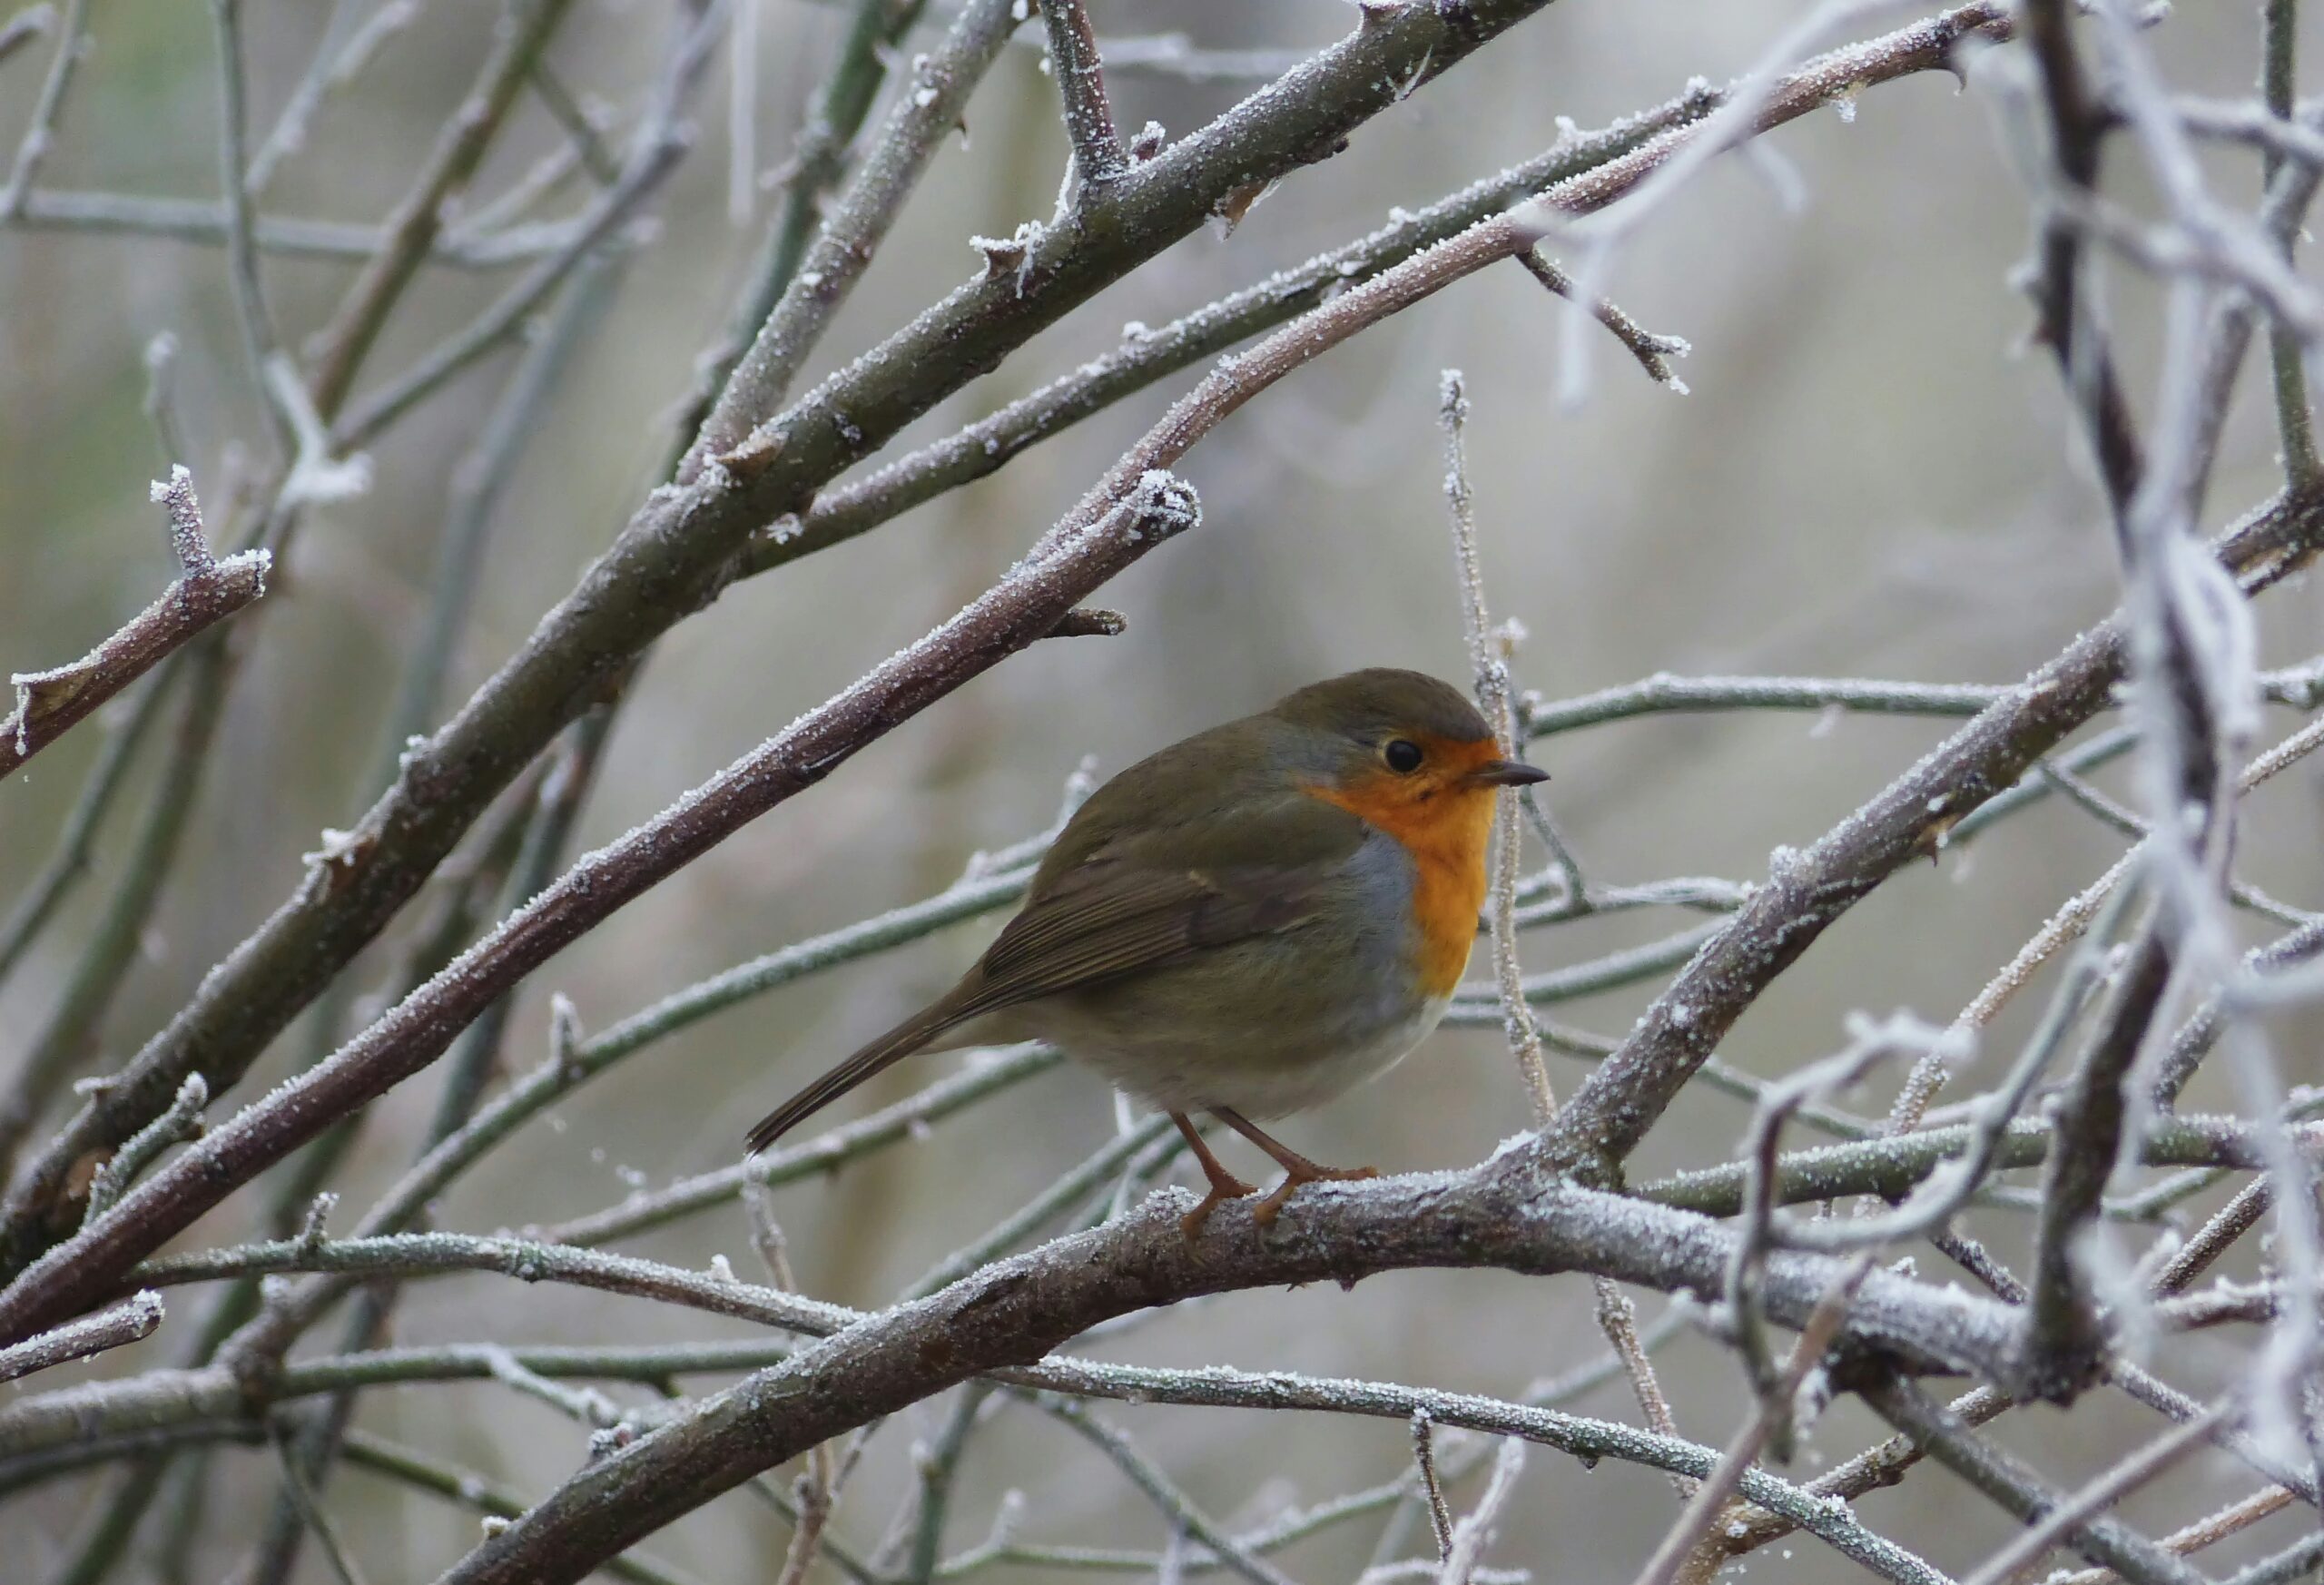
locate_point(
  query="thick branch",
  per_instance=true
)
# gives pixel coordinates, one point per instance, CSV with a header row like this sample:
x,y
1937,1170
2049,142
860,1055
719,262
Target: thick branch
x,y
1013,1313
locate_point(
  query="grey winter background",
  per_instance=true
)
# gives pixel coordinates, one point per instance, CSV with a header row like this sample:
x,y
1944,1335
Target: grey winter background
x,y
1869,476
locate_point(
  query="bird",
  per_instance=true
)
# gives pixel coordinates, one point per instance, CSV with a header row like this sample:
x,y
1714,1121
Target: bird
x,y
1246,923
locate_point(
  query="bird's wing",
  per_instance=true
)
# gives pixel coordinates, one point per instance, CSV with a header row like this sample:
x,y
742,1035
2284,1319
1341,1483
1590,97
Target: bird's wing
x,y
1122,907
1100,907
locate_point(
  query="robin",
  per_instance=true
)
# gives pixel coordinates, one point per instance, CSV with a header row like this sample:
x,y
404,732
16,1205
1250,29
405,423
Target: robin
x,y
1247,923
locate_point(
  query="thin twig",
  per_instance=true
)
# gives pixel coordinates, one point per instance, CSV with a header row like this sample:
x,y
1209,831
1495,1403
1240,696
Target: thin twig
x,y
260,342
72,43
32,22
931,107
411,230
2206,1531
338,61
311,1511
182,1122
49,703
1653,352
1165,1494
199,222
661,143
2295,425
1476,1531
2004,1480
1774,1409
37,903
1073,61
125,1323
1440,1516
2101,1493
1488,657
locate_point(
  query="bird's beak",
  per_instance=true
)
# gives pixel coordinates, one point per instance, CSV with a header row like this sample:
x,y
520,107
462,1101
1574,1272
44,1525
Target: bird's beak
x,y
1504,774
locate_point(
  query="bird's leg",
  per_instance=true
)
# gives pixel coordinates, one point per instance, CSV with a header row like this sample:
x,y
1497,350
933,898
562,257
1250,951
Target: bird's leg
x,y
1224,1185
1296,1168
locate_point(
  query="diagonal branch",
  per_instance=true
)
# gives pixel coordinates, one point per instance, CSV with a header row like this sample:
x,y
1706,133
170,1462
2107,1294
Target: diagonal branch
x,y
2065,1341
1146,355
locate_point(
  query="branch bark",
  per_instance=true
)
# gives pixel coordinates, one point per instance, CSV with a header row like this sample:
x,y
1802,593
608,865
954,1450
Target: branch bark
x,y
1012,1313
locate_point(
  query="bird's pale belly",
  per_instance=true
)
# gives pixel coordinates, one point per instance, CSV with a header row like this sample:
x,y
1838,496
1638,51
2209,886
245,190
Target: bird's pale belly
x,y
1196,1079
1252,1065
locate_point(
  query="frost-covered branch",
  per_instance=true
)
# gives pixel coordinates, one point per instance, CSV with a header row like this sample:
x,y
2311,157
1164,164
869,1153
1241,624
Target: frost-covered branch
x,y
207,591
1073,61
125,1323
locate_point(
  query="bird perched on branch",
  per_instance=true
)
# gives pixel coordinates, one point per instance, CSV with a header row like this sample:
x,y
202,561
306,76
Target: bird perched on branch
x,y
1247,923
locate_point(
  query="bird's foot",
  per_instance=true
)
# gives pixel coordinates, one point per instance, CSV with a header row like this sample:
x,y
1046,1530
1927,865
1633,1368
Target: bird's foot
x,y
1268,1209
1224,1186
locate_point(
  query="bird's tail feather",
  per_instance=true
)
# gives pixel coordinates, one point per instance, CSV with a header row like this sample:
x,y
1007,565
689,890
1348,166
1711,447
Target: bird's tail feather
x,y
898,1043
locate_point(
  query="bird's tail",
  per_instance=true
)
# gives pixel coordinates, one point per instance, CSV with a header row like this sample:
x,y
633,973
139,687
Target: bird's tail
x,y
898,1043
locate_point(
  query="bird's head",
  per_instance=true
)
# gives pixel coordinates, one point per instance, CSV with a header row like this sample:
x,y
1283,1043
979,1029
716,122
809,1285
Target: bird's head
x,y
1399,748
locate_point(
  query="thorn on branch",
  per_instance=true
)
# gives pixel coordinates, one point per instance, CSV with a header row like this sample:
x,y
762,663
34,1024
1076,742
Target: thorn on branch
x,y
753,456
1011,255
315,1226
565,1038
1089,622
1237,202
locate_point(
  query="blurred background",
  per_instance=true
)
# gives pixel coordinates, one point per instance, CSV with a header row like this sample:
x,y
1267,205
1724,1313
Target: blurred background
x,y
1868,478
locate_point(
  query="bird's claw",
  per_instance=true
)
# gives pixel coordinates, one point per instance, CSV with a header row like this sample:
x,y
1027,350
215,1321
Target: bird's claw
x,y
1224,1186
1268,1209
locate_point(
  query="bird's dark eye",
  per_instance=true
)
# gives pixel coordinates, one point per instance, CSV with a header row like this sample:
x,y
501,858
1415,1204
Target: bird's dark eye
x,y
1402,756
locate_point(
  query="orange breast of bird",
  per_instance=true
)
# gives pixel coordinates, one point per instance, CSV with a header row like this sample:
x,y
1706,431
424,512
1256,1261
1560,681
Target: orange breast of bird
x,y
1445,827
